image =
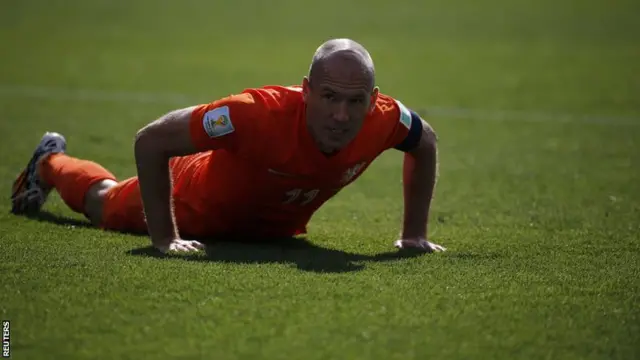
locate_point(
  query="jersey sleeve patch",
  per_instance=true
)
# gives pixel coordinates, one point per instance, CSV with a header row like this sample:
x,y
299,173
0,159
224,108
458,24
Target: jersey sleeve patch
x,y
217,122
405,115
413,136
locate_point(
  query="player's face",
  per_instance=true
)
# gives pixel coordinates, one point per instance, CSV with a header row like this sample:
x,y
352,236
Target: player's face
x,y
336,110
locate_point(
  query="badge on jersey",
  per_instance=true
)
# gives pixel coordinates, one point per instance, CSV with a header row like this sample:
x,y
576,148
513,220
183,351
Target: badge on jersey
x,y
217,122
405,115
352,172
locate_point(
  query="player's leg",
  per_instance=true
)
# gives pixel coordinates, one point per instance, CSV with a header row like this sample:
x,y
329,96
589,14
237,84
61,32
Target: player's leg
x,y
50,168
80,183
88,188
94,200
122,209
85,186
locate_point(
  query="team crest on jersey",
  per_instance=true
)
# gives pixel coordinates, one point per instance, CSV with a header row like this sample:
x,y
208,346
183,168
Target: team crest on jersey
x,y
352,172
217,122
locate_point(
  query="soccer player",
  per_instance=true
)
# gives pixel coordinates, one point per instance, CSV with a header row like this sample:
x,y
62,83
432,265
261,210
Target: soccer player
x,y
257,163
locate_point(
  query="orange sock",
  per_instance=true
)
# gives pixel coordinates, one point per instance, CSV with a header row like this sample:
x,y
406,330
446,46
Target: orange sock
x,y
72,177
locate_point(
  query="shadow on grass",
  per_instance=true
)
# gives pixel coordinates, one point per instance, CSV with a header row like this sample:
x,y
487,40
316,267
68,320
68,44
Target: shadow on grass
x,y
297,251
46,216
473,257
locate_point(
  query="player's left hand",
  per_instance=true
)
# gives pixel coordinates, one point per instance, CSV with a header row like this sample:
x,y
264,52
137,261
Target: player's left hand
x,y
419,244
180,246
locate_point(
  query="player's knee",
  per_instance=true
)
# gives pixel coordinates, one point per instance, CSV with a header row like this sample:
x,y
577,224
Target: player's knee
x,y
94,200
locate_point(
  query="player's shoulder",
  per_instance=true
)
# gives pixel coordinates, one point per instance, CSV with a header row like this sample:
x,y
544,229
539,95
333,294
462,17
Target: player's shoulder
x,y
274,97
260,105
261,99
390,110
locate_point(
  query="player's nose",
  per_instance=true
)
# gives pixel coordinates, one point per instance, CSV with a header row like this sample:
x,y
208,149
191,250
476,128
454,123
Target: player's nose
x,y
341,112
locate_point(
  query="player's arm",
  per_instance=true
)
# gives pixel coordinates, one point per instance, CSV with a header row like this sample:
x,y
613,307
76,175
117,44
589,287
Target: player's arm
x,y
155,144
217,125
419,179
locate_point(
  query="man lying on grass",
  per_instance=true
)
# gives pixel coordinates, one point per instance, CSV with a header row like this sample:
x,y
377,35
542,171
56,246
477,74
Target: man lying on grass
x,y
257,163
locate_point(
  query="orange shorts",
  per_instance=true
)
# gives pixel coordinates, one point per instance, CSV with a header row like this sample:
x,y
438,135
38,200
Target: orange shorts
x,y
123,210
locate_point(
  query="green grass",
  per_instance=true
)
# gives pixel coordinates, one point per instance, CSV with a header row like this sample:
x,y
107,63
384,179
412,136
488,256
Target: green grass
x,y
538,201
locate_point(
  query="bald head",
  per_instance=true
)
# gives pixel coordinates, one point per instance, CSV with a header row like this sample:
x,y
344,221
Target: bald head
x,y
342,57
339,93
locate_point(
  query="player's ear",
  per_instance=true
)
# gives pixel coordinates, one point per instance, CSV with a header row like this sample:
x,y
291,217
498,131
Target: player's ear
x,y
305,88
374,98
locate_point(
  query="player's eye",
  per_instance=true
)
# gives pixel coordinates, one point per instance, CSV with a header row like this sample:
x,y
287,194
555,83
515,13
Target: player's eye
x,y
356,101
329,96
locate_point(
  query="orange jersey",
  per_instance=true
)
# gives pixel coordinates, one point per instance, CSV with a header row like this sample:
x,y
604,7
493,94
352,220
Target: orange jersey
x,y
261,172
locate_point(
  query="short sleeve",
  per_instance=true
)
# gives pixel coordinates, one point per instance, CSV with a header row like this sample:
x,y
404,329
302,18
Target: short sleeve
x,y
229,123
407,128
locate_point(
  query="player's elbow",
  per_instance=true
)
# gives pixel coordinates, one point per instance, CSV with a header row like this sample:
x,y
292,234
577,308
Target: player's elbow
x,y
143,137
430,138
427,146
150,141
166,137
143,145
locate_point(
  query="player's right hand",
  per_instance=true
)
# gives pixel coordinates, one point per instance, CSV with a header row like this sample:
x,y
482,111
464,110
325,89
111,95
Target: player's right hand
x,y
179,245
419,243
